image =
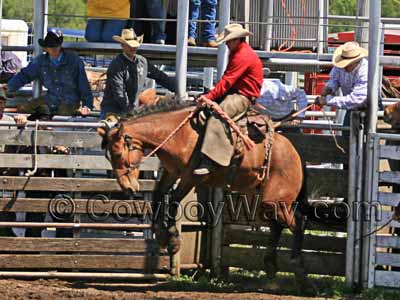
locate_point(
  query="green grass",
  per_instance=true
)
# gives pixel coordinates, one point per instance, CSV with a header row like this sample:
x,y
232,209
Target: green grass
x,y
284,284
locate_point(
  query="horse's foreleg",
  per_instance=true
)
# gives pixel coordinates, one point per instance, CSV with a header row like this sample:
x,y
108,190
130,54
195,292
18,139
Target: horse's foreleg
x,y
177,195
270,256
158,205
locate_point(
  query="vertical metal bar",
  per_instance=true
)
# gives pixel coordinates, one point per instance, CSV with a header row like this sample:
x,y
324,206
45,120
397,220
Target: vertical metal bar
x,y
40,11
321,10
218,193
381,53
182,48
217,196
291,78
352,191
269,20
1,24
373,63
247,16
224,16
362,11
208,78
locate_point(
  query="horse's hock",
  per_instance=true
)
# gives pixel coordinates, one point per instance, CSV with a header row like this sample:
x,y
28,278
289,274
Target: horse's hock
x,y
110,245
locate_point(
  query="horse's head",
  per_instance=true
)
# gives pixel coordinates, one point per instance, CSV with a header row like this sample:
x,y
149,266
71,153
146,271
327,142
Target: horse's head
x,y
392,114
125,153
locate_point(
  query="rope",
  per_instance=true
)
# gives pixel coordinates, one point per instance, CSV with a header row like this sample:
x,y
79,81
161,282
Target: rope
x,y
171,135
30,173
376,230
333,133
215,107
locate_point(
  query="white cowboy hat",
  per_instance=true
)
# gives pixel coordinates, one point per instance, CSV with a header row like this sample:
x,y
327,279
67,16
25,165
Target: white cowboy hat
x,y
129,37
348,54
232,31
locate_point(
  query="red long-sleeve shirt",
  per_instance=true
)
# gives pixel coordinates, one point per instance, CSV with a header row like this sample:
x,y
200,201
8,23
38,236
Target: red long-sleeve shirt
x,y
243,74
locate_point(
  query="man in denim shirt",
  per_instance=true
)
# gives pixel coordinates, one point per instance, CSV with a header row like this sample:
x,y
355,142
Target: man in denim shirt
x,y
63,75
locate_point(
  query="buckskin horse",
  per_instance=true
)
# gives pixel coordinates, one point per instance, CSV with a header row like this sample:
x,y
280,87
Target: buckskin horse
x,y
150,125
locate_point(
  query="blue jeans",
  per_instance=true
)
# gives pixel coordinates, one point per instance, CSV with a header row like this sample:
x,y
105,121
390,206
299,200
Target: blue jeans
x,y
151,9
103,30
208,12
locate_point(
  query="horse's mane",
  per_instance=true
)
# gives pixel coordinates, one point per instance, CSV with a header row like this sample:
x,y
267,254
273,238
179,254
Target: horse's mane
x,y
159,107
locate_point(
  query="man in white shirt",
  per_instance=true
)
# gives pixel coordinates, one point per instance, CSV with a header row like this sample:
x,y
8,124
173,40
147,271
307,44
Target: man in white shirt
x,y
279,100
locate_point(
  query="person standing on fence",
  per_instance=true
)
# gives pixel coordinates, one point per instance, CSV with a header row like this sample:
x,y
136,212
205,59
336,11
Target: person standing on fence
x,y
106,18
238,89
208,9
62,73
350,74
154,9
126,77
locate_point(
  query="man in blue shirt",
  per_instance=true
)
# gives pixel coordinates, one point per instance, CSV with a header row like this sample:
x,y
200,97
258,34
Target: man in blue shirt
x,y
62,73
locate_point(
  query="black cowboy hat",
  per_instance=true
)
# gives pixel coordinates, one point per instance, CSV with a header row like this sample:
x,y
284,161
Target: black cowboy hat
x,y
53,39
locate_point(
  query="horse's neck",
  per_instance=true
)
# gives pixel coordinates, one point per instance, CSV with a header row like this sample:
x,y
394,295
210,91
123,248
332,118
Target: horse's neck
x,y
154,129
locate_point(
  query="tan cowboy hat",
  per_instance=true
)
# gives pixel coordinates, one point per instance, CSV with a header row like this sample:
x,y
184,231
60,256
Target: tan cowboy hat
x,y
129,37
348,54
232,31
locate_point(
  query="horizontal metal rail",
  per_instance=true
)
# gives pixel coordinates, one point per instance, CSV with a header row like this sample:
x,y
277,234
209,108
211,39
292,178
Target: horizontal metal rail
x,y
84,275
119,226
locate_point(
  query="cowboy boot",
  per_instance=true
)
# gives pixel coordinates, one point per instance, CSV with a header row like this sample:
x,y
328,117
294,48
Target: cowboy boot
x,y
205,167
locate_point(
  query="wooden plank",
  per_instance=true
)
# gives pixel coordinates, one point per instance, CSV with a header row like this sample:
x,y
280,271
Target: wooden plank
x,y
390,177
390,199
316,263
100,245
387,279
83,275
389,152
259,238
387,259
92,205
57,161
319,148
98,262
388,241
66,184
46,137
327,182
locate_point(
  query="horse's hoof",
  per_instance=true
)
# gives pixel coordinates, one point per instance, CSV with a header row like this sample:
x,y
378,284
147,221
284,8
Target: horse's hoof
x,y
174,244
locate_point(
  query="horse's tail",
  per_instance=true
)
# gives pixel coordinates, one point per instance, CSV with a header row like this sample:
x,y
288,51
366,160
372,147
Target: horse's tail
x,y
302,197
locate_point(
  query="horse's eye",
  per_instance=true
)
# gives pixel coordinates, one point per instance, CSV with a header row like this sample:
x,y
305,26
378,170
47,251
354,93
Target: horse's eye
x,y
127,139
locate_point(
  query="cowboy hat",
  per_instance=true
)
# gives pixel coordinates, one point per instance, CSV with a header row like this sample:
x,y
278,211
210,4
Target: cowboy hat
x,y
53,39
232,31
348,54
129,37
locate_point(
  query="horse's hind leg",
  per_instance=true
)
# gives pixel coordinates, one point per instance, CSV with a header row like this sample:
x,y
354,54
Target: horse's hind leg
x,y
297,228
270,263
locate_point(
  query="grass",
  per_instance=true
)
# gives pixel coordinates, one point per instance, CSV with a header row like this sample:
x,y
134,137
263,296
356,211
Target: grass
x,y
284,284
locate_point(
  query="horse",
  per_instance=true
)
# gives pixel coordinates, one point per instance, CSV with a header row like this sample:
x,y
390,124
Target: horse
x,y
150,125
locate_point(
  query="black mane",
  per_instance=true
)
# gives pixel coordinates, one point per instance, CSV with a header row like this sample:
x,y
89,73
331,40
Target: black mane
x,y
160,107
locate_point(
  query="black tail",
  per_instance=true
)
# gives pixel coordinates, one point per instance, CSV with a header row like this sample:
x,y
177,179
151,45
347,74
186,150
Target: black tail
x,y
302,198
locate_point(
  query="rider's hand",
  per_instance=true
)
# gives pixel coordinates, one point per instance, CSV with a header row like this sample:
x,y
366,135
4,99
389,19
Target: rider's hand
x,y
202,101
320,100
84,111
20,120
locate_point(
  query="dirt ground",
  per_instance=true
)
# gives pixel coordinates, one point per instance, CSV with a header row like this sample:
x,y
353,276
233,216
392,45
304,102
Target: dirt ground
x,y
11,289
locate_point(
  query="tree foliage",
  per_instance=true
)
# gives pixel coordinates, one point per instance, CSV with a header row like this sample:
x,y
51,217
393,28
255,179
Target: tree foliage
x,y
23,9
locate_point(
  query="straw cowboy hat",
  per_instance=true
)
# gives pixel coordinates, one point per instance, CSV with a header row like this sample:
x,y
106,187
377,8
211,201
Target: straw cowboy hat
x,y
232,31
129,37
348,54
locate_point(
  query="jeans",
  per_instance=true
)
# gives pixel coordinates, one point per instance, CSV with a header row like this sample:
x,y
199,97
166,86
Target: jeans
x,y
208,12
103,30
151,9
